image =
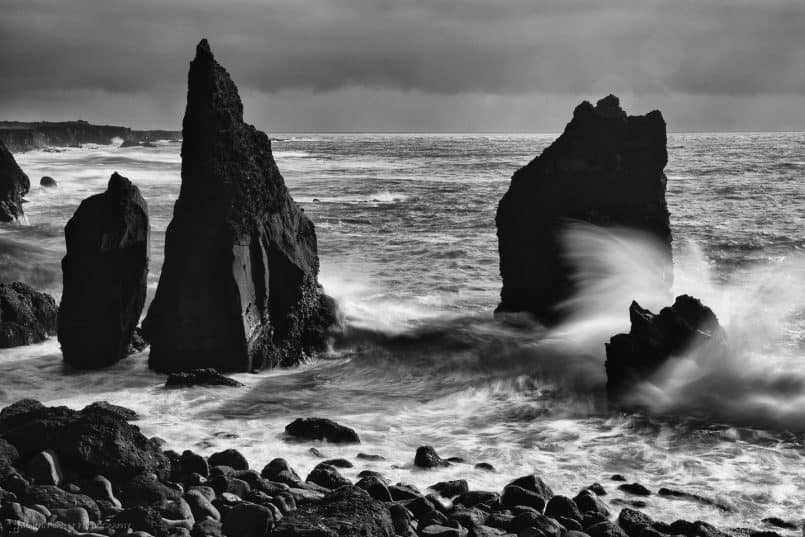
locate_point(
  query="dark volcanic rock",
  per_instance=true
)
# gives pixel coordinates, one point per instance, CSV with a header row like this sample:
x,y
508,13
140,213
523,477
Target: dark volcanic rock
x,y
14,184
88,442
47,182
26,315
200,377
321,429
652,339
105,275
347,512
238,290
606,169
426,457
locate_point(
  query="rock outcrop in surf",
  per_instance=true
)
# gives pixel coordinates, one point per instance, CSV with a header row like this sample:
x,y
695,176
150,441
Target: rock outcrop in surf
x,y
238,290
105,275
14,184
26,315
686,326
606,169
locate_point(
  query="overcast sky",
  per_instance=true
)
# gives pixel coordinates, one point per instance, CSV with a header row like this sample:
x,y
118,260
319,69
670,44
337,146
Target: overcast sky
x,y
410,65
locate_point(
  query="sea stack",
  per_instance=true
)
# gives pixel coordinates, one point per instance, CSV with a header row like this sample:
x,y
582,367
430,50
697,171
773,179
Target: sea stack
x,y
105,275
14,184
238,289
605,169
688,326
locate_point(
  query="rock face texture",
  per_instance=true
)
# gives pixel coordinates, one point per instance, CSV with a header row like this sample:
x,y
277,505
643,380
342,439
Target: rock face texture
x,y
14,184
605,169
238,290
26,315
653,339
105,275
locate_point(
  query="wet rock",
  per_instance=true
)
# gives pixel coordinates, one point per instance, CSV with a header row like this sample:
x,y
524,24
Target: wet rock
x,y
468,517
780,523
207,528
26,515
487,531
201,506
115,411
194,463
562,506
605,529
426,457
449,489
682,495
47,182
238,289
547,527
436,530
200,377
105,275
605,169
321,429
316,453
53,497
376,488
44,468
280,471
142,519
635,488
339,463
536,484
653,339
248,520
474,497
597,489
327,476
401,492
370,457
617,477
14,184
514,496
75,517
229,457
588,502
26,315
146,489
345,512
632,522
485,466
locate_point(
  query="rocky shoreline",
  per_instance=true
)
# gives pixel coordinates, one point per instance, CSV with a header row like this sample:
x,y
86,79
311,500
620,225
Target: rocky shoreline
x,y
92,472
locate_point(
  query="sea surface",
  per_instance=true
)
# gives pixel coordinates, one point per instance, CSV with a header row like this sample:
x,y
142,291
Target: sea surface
x,y
406,232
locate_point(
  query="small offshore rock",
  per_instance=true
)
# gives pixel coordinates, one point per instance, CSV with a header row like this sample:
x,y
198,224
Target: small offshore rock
x,y
426,457
14,184
617,477
485,466
635,488
229,457
370,457
47,182
200,377
321,429
588,502
26,315
633,522
339,463
449,489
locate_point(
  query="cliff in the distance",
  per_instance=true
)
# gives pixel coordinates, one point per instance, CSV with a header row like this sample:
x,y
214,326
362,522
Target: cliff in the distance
x,y
606,169
238,289
21,136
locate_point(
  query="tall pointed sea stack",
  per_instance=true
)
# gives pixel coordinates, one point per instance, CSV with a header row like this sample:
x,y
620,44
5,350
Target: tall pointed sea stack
x,y
606,169
238,290
105,275
14,184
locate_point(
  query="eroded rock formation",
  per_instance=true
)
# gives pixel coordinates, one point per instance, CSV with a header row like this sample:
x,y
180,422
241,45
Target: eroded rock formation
x,y
14,184
105,275
238,290
687,325
26,315
606,169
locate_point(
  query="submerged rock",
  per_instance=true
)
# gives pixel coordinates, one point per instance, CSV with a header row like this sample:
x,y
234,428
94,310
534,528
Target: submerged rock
x,y
47,182
200,377
605,169
105,275
14,184
653,339
26,315
238,290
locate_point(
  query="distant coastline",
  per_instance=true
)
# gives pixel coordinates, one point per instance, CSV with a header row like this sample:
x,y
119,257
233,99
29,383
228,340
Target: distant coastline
x,y
21,136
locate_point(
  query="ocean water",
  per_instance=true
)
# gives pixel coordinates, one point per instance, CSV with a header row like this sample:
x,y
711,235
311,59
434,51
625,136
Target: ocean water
x,y
408,248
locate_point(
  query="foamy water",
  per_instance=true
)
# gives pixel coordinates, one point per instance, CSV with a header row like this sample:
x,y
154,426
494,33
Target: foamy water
x,y
408,248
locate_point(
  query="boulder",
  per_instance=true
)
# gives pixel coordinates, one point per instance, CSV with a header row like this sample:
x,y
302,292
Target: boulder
x,y
229,457
278,470
449,489
238,289
26,315
653,339
105,275
199,377
249,520
327,476
376,488
346,512
14,184
605,169
426,457
53,497
88,442
44,468
321,429
47,182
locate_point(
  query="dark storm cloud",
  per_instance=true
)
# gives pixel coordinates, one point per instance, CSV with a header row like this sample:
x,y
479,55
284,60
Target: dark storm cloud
x,y
502,46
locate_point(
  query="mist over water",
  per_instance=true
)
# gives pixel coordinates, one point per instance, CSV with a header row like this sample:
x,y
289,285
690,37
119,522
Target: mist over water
x,y
407,241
